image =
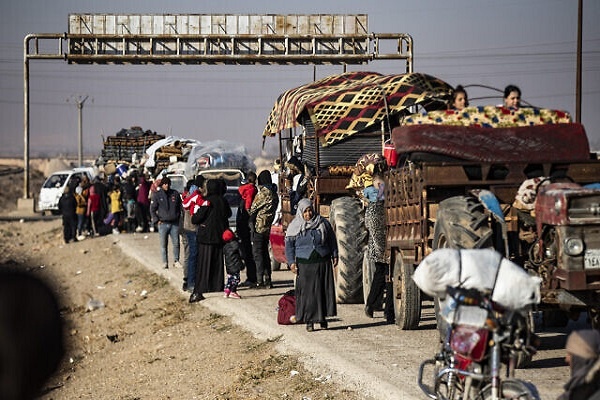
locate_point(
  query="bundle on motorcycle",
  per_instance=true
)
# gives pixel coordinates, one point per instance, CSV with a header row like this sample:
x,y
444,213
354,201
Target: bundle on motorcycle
x,y
484,301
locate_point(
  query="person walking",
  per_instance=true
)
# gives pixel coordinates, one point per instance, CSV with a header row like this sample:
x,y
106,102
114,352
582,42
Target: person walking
x,y
247,192
212,220
165,209
311,249
233,264
67,205
262,214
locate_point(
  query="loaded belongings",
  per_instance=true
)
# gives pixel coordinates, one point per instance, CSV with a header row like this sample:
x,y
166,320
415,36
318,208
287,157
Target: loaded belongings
x,y
483,269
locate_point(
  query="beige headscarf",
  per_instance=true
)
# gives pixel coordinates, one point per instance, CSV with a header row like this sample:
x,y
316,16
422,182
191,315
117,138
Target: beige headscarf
x,y
584,343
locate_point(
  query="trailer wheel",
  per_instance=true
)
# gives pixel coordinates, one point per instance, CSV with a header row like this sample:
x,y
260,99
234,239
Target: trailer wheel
x,y
368,270
407,296
347,218
461,223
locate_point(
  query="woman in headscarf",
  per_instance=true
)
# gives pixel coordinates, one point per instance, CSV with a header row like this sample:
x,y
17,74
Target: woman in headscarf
x,y
583,355
212,219
311,249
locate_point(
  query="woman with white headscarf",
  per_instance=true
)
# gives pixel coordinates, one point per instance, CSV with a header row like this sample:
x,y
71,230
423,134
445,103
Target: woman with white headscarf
x,y
311,250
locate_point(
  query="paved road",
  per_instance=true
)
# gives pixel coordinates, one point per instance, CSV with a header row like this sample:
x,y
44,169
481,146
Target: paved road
x,y
378,360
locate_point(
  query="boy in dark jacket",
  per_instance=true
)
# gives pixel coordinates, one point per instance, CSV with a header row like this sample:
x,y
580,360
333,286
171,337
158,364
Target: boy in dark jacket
x,y
233,264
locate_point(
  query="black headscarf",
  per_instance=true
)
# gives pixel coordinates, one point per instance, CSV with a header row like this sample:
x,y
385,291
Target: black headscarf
x,y
264,178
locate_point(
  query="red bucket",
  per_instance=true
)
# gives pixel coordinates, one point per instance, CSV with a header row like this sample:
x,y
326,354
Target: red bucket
x,y
389,152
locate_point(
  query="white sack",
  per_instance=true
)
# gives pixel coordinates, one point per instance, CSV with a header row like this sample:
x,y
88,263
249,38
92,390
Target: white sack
x,y
477,269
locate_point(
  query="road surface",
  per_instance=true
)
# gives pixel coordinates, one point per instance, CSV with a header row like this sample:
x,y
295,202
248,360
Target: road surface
x,y
367,355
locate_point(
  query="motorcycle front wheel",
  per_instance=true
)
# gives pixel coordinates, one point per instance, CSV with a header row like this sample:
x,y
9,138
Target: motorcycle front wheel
x,y
511,389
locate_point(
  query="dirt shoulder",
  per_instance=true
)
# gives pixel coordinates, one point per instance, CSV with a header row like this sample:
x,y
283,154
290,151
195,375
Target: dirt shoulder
x,y
146,341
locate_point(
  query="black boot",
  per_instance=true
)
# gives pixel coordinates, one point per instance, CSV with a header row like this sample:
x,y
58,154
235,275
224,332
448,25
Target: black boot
x,y
195,297
268,283
310,327
324,324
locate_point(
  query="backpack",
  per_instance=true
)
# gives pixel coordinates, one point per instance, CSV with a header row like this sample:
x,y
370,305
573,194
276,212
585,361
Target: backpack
x,y
286,312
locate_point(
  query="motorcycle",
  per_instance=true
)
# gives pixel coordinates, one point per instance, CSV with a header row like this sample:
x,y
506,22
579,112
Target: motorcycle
x,y
480,337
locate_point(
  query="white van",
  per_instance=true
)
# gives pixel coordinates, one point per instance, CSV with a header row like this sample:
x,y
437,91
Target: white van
x,y
54,187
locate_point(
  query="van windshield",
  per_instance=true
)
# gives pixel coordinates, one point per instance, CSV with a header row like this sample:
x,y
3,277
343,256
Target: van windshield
x,y
55,181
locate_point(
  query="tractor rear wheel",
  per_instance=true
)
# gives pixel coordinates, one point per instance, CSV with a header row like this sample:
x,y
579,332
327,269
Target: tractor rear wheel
x,y
348,222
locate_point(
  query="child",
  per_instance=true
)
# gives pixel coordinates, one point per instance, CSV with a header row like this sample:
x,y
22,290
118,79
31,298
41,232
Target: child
x,y
116,207
80,210
233,264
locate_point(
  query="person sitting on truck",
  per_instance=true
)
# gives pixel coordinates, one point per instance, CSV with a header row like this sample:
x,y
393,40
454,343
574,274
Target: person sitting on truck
x,y
512,97
458,99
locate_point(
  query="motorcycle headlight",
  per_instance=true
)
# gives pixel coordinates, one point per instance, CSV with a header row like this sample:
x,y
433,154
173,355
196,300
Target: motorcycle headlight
x,y
573,246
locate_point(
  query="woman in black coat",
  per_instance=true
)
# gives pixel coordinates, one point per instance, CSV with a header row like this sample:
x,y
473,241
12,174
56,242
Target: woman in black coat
x,y
67,205
212,219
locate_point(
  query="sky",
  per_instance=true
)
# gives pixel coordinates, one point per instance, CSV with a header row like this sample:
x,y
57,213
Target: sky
x,y
529,43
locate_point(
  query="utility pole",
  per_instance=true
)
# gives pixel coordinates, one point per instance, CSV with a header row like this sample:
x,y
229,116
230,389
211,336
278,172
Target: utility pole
x,y
579,62
80,102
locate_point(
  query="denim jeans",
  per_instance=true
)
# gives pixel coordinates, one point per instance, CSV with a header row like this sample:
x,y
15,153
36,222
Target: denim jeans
x,y
80,223
165,230
192,259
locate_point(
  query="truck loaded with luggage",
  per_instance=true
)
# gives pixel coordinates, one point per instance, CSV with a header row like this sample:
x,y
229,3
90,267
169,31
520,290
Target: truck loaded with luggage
x,y
521,181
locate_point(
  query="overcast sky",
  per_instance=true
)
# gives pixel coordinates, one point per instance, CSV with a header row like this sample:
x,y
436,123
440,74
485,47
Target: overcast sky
x,y
530,43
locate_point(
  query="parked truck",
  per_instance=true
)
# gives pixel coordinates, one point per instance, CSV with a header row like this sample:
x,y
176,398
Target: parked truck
x,y
341,117
454,182
460,187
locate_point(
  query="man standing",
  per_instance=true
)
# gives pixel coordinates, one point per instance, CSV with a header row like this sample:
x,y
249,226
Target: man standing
x,y
165,210
262,214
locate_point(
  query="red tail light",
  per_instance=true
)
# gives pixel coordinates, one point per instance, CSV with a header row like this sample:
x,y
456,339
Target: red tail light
x,y
469,341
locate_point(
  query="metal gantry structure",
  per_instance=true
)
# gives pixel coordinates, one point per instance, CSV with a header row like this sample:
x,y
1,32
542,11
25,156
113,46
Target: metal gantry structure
x,y
211,39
